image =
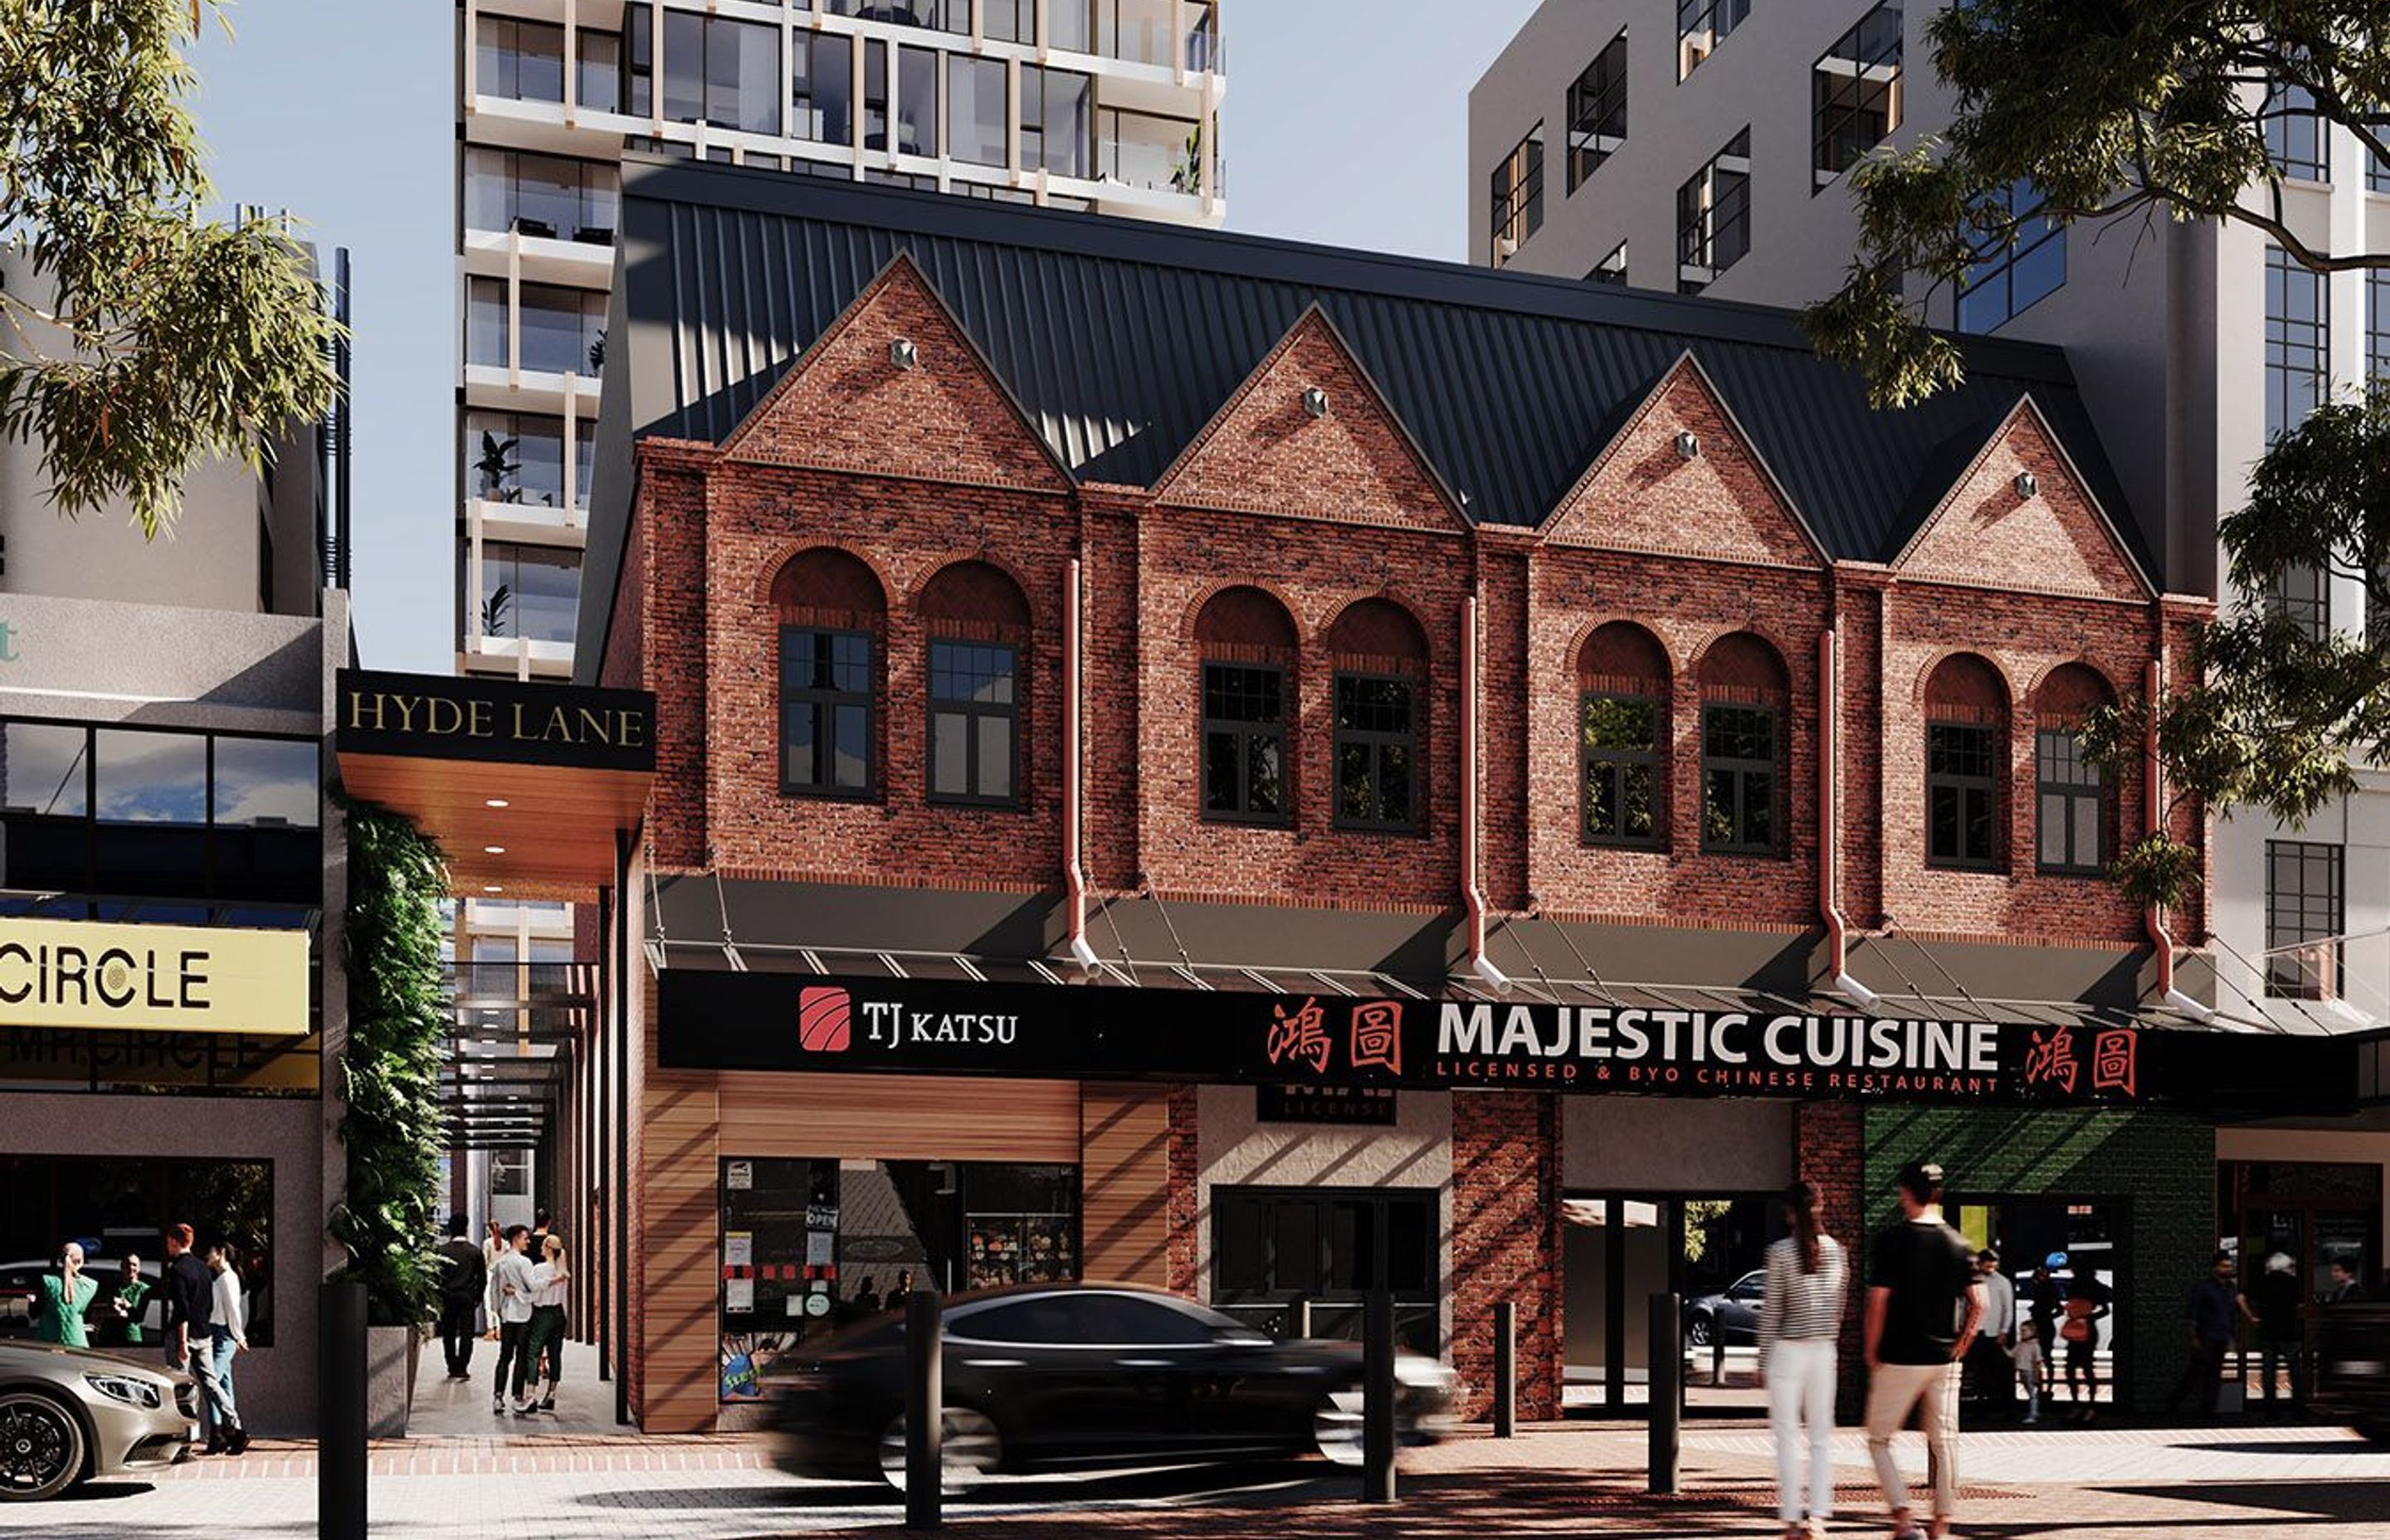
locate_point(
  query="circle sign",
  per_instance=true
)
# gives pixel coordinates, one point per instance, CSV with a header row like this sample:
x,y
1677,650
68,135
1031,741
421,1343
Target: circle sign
x,y
816,1305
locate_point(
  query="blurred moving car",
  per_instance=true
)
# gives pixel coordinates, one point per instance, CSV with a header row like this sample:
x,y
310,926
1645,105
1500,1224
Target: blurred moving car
x,y
1040,1376
69,1414
2349,1347
21,1292
1731,1317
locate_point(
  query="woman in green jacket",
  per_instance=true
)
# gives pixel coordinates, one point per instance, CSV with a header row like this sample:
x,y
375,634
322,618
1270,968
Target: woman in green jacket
x,y
66,1295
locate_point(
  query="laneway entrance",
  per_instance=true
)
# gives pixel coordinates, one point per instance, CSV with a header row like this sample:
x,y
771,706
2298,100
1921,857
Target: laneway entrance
x,y
1618,1250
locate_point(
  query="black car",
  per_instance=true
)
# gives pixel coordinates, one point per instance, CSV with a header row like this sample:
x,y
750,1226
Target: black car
x,y
1046,1375
1731,1317
2349,1345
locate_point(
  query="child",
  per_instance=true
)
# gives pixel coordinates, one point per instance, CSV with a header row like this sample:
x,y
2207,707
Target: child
x,y
2028,1369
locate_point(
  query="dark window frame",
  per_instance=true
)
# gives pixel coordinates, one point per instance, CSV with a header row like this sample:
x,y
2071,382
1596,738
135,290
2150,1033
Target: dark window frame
x,y
1377,741
1269,1303
2298,347
1703,18
2284,979
1614,763
973,711
1988,740
1742,769
1714,216
1839,100
2079,797
825,701
2298,146
1246,732
1515,194
1596,111
1993,272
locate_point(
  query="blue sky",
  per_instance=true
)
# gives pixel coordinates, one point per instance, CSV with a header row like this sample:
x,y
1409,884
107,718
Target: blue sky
x,y
1346,123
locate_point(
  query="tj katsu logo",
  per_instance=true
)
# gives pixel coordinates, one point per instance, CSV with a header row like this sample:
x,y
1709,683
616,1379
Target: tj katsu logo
x,y
826,1024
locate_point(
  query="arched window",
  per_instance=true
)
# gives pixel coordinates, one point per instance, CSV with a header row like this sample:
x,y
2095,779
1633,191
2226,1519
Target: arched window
x,y
833,618
978,626
1966,764
1378,699
1246,641
2072,811
1746,699
1622,675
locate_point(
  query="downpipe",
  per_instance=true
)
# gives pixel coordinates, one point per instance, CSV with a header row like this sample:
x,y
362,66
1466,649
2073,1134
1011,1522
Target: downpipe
x,y
1075,875
1829,822
2154,797
1471,771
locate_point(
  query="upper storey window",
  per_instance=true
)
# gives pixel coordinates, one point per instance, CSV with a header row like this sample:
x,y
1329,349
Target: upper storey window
x,y
1596,111
2072,814
523,60
1246,641
1746,698
1966,764
1517,193
2007,275
2294,133
1379,698
977,624
1714,217
1623,737
833,623
1857,91
1701,25
944,16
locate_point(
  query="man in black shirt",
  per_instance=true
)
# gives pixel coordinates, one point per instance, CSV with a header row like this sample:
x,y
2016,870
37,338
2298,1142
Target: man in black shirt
x,y
1923,1304
190,1310
463,1276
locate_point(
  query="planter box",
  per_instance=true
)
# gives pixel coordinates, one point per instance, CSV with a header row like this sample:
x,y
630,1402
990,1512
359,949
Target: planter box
x,y
390,1355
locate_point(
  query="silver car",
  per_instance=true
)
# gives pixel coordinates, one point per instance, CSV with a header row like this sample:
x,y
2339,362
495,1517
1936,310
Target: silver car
x,y
69,1414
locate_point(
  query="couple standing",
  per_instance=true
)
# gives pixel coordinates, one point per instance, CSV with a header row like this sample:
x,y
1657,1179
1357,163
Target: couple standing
x,y
531,1298
1925,1303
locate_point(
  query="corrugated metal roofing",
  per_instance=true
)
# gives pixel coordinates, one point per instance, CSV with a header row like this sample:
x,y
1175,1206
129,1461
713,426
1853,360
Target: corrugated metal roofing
x,y
1120,340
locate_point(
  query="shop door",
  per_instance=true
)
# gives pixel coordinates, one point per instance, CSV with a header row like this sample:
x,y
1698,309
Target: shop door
x,y
1291,1260
1619,1250
2065,1258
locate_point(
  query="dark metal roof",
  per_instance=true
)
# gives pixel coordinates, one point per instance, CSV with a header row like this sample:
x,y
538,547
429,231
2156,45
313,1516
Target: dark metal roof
x,y
1120,340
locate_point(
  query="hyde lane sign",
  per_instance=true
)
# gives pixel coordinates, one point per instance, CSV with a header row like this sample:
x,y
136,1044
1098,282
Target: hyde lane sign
x,y
727,1020
430,716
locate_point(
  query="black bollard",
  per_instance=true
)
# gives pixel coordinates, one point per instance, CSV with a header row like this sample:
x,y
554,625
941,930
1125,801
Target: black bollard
x,y
1505,1369
1377,1398
924,1410
1667,1393
340,1411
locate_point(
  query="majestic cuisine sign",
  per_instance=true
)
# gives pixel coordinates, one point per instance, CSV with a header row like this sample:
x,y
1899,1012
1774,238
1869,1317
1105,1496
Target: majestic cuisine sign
x,y
919,1026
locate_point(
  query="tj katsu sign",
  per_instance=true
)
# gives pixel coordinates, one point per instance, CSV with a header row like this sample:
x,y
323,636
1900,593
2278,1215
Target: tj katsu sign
x,y
430,716
916,1026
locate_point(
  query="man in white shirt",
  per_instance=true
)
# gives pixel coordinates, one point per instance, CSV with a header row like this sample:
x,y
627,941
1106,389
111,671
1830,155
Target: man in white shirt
x,y
1991,1362
510,1281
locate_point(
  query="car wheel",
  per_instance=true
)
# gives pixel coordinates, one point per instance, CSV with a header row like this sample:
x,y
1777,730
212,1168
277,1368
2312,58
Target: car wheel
x,y
1336,1426
970,1449
41,1447
1697,1331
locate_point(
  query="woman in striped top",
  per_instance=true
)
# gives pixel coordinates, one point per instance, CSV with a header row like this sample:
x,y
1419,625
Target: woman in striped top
x,y
1799,1317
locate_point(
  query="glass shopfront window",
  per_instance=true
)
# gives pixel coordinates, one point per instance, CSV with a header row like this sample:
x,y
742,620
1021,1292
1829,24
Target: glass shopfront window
x,y
116,1208
811,1244
1280,1250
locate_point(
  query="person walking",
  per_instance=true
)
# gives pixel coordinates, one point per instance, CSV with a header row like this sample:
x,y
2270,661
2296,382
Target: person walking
x,y
543,1350
2278,1297
66,1295
1799,1316
2088,1302
228,1337
2028,1370
901,1291
2217,1312
510,1283
463,1277
120,1318
1989,1363
494,1246
1923,1305
190,1316
2043,1299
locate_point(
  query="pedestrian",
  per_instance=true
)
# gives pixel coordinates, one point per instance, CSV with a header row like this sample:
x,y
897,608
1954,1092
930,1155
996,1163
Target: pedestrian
x,y
543,1350
902,1292
2046,1298
2088,1302
2028,1369
2343,1290
867,1298
1923,1305
463,1277
1800,1315
510,1283
494,1246
66,1295
190,1317
2278,1297
227,1337
2217,1312
119,1321
1988,1362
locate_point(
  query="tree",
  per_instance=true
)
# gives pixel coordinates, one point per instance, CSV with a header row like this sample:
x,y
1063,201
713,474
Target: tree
x,y
158,337
2103,113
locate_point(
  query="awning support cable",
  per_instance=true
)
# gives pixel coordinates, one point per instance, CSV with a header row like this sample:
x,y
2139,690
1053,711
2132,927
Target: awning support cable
x,y
729,942
1163,910
1582,960
1894,926
1128,963
662,943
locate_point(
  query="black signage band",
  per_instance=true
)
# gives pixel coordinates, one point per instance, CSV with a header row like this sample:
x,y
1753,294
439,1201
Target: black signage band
x,y
432,716
921,1026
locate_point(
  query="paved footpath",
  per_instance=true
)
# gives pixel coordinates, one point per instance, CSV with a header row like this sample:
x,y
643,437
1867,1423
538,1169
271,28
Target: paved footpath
x,y
2286,1482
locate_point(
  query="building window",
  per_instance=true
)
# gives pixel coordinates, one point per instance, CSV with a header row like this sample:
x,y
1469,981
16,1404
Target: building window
x,y
2010,274
822,76
974,722
1961,795
1011,20
1856,91
2294,136
1596,111
1330,1247
1619,755
1057,121
2377,324
120,1205
978,130
1518,196
2303,905
522,60
917,101
1701,25
2302,595
1739,780
562,329
1376,752
826,679
1610,269
1714,217
2073,805
518,458
541,195
944,16
722,73
1244,742
2298,330
1138,149
531,592
598,72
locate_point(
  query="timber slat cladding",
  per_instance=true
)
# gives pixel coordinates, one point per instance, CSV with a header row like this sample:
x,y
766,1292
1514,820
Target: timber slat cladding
x,y
899,1117
1124,1182
681,1322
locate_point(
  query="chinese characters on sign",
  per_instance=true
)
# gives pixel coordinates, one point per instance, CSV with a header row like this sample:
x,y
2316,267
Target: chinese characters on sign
x,y
1300,1036
2050,1062
1375,1040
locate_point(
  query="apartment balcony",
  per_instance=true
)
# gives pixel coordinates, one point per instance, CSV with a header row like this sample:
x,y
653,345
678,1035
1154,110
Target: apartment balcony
x,y
515,657
495,385
541,255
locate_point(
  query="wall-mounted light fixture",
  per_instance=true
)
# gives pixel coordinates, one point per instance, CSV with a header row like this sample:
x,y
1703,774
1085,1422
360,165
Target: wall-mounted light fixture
x,y
1314,400
2026,486
1689,445
903,353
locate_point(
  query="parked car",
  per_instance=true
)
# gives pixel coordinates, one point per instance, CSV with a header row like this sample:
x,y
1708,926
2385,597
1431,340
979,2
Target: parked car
x,y
1038,1376
1731,1317
69,1414
21,1292
2349,1345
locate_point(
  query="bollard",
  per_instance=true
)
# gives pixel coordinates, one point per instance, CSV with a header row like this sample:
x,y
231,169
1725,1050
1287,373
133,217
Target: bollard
x,y
1505,1369
1717,1354
1301,1320
1667,1393
1377,1398
924,1410
340,1411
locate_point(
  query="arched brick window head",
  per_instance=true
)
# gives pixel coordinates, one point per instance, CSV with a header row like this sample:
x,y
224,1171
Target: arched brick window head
x,y
1966,764
977,644
1623,689
1746,737
2075,813
1246,650
1378,702
832,617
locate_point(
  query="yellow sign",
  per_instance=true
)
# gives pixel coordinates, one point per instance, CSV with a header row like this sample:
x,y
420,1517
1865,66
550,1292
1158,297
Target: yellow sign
x,y
160,978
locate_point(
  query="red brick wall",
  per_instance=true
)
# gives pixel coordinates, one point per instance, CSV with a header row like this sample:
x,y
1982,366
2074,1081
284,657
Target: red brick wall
x,y
1506,1243
1185,1191
1829,1148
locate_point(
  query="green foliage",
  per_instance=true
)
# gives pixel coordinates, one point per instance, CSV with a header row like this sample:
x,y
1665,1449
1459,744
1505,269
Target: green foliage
x,y
398,1023
2157,871
493,611
498,467
159,337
